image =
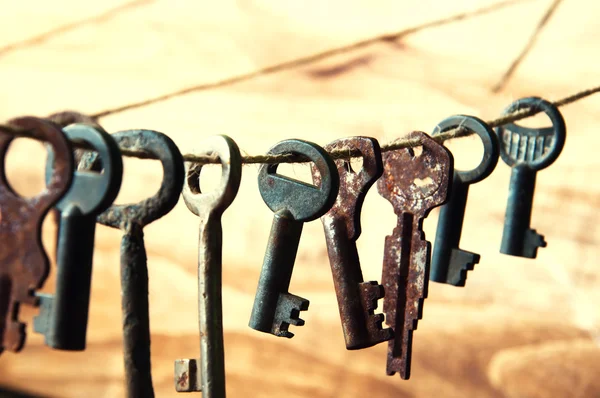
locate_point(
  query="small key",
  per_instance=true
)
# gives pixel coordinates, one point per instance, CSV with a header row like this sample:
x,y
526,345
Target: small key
x,y
23,261
207,374
131,219
293,203
413,185
357,300
449,264
527,151
63,316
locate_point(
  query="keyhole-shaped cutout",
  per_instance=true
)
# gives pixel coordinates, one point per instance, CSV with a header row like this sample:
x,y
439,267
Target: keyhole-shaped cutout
x,y
354,165
25,166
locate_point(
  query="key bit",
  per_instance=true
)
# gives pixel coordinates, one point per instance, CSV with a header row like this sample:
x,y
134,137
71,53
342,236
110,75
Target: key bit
x,y
527,151
357,299
131,219
449,264
24,262
293,203
63,316
207,374
414,185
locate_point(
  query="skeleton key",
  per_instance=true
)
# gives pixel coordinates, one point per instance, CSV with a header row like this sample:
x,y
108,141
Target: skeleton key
x,y
63,316
293,203
131,218
207,374
449,264
23,261
527,151
413,185
357,300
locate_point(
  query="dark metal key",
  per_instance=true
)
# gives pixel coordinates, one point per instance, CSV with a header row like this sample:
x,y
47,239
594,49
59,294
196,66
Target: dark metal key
x,y
24,264
207,374
64,315
527,151
357,300
131,219
449,264
293,203
413,184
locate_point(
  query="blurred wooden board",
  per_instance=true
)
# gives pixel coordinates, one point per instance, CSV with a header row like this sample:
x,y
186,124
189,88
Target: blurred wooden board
x,y
520,328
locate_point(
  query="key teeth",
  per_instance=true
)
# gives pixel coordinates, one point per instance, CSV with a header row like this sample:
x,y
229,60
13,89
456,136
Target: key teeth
x,y
287,313
370,293
461,261
533,241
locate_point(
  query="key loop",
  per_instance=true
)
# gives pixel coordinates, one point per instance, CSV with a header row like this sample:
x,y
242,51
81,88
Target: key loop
x,y
357,183
61,174
153,208
221,198
491,151
281,192
106,185
558,131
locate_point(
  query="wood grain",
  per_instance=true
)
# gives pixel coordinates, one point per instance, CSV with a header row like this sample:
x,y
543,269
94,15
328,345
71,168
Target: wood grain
x,y
521,328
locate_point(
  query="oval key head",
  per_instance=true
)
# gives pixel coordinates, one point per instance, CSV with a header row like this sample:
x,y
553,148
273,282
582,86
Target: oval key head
x,y
305,202
537,148
153,208
488,138
92,192
352,193
231,164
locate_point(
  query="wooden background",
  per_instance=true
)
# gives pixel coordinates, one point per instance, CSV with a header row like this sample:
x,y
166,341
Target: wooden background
x,y
521,328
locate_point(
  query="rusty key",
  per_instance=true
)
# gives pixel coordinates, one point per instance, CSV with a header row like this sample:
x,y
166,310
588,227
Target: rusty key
x,y
207,374
293,203
357,300
413,184
63,316
449,264
131,219
24,263
527,151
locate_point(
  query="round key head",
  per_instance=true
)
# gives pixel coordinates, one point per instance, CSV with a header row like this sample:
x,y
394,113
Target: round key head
x,y
304,202
354,184
491,153
153,208
536,148
231,174
90,191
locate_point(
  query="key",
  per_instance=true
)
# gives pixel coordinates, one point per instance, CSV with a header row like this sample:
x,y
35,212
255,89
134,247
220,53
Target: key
x,y
63,316
131,219
24,263
207,374
413,184
527,151
449,264
293,203
357,300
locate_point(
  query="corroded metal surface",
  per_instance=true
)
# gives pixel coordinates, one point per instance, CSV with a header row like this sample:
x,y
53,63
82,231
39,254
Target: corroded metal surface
x,y
293,203
131,218
63,315
24,264
414,184
357,299
527,151
209,377
449,264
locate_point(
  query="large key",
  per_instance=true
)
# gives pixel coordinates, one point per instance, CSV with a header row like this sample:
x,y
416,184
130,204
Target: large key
x,y
527,151
131,219
357,300
413,185
293,203
24,264
207,374
449,264
63,316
